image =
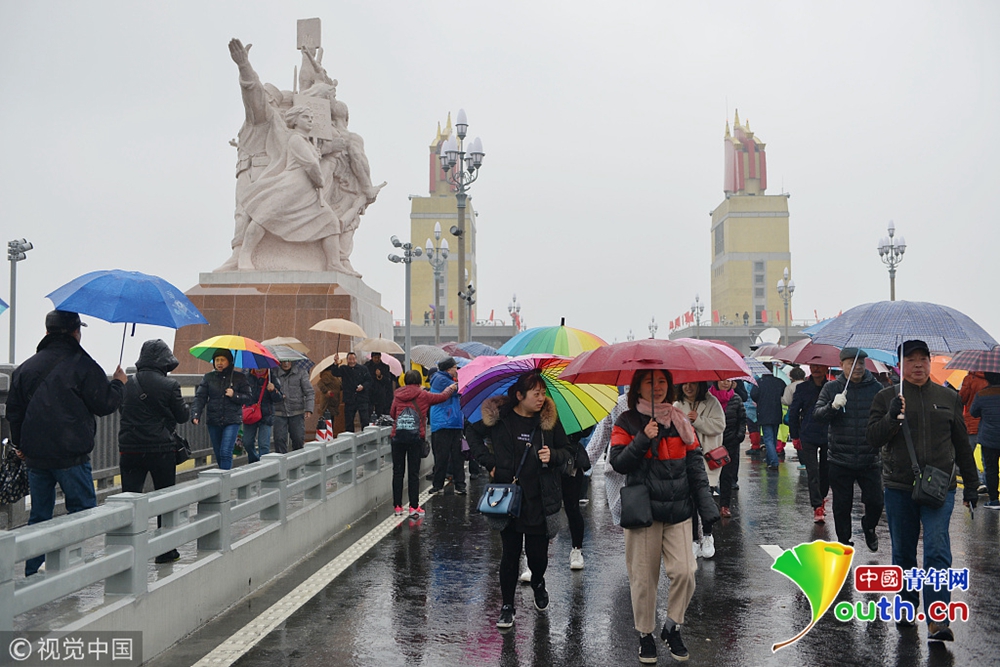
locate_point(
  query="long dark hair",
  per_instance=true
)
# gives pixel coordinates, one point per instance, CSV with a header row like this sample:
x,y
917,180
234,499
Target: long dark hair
x,y
700,396
637,380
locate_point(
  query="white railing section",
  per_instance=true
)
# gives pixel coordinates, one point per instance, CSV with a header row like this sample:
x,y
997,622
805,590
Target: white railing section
x,y
317,473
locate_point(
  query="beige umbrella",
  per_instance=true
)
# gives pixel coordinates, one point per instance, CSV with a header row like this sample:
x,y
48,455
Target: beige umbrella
x,y
383,345
320,367
341,328
287,341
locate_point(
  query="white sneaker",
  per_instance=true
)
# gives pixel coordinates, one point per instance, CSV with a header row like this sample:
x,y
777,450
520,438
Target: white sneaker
x,y
576,559
696,549
708,546
525,577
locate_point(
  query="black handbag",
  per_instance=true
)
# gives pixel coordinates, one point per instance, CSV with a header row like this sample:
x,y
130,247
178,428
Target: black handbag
x,y
13,476
636,509
930,485
503,501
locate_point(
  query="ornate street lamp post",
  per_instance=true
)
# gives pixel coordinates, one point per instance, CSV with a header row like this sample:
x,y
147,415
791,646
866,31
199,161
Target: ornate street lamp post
x,y
514,309
16,252
409,252
785,289
437,255
652,327
891,251
697,309
453,153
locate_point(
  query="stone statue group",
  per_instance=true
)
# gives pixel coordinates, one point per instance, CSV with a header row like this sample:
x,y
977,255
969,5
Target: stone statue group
x,y
301,177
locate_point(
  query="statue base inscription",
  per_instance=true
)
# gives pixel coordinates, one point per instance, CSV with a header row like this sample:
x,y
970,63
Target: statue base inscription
x,y
266,304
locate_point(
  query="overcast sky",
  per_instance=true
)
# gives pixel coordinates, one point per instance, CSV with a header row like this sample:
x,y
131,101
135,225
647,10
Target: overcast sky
x,y
602,125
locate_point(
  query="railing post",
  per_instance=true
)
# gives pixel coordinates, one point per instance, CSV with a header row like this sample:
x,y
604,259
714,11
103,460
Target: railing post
x,y
6,581
277,481
317,467
136,535
373,445
220,504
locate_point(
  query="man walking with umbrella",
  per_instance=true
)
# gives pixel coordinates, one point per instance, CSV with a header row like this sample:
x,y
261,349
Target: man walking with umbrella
x,y
357,387
54,397
844,404
933,416
383,384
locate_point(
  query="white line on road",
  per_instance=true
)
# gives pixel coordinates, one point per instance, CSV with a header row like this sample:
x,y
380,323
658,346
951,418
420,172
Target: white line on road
x,y
772,550
250,635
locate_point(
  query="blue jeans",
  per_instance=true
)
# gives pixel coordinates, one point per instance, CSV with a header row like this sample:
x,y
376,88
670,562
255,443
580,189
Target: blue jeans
x,y
77,485
223,440
769,434
905,518
256,440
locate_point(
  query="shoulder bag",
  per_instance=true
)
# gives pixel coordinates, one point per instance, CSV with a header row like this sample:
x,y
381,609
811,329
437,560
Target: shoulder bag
x,y
930,485
636,507
253,413
13,476
503,501
182,450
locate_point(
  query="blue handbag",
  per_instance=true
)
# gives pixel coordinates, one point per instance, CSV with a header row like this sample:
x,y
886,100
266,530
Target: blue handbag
x,y
503,500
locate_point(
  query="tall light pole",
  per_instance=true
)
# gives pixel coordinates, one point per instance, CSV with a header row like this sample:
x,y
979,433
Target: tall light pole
x,y
409,252
891,251
630,337
652,327
514,309
16,250
437,255
697,309
785,289
453,153
469,296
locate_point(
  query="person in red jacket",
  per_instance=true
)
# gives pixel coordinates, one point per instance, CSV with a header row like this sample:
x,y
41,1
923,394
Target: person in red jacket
x,y
971,385
410,404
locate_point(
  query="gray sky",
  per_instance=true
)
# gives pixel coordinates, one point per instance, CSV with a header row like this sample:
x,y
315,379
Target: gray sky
x,y
602,124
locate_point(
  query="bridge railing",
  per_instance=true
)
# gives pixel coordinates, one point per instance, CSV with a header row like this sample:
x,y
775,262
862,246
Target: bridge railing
x,y
267,492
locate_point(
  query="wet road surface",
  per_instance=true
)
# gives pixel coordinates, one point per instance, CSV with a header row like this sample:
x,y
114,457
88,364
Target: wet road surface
x,y
427,594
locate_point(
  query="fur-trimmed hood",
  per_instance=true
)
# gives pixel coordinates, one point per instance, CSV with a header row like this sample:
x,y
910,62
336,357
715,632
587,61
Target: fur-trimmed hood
x,y
494,407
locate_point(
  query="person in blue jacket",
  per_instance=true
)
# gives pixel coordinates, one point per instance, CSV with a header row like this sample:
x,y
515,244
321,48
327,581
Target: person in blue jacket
x,y
447,423
986,408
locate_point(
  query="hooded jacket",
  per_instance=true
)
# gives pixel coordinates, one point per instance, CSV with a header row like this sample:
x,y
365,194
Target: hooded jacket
x,y
297,392
767,395
153,405
673,472
410,395
53,399
211,399
801,422
447,414
985,409
847,438
541,485
937,428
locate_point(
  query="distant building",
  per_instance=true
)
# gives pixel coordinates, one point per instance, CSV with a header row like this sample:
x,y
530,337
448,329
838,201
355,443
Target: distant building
x,y
750,248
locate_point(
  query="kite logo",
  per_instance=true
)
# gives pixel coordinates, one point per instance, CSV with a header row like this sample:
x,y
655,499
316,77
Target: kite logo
x,y
819,569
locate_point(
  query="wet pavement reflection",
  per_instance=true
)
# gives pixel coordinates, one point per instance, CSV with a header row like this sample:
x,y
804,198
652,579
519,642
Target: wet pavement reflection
x,y
428,595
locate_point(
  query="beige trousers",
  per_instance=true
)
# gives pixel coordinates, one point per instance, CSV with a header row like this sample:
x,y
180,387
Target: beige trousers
x,y
643,549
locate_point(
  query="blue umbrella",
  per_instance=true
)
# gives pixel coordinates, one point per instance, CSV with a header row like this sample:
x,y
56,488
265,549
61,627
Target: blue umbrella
x,y
884,356
127,296
477,349
883,325
3,306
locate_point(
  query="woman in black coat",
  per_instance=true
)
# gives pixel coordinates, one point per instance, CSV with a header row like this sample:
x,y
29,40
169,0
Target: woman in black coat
x,y
219,400
523,426
732,438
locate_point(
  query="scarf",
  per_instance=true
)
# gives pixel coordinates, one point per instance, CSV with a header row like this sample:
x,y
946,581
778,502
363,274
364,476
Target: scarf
x,y
667,415
723,396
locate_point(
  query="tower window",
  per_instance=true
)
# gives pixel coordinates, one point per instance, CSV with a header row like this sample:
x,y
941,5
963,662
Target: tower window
x,y
758,292
758,267
719,240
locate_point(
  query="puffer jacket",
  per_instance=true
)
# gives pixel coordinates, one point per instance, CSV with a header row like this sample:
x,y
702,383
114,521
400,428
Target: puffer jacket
x,y
268,399
674,474
153,405
847,437
767,395
736,424
297,392
211,404
971,385
541,486
413,395
447,414
937,428
801,423
53,398
986,409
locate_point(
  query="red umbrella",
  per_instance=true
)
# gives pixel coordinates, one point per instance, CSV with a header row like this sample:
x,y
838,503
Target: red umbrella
x,y
686,361
983,361
815,354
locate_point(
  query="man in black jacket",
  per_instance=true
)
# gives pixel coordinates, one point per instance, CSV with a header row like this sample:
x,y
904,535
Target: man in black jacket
x,y
844,404
383,383
767,395
53,399
356,388
812,436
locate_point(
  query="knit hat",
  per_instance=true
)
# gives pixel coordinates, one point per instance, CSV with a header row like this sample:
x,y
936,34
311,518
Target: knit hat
x,y
446,364
223,352
852,352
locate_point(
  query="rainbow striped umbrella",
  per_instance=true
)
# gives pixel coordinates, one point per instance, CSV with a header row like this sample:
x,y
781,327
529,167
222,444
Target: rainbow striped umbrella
x,y
247,353
580,406
562,340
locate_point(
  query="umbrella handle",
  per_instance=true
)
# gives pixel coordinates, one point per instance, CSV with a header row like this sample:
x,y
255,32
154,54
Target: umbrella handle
x,y
121,354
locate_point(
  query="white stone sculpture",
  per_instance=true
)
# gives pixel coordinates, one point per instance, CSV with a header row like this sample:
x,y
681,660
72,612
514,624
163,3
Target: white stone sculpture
x,y
302,180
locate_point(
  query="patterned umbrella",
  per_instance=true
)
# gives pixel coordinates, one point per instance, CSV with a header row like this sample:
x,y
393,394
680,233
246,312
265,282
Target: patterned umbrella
x,y
580,406
883,325
756,366
981,361
454,350
561,340
247,353
288,341
477,349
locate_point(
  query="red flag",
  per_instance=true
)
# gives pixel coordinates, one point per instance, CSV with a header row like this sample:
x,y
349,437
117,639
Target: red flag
x,y
491,315
715,316
451,314
763,316
678,322
777,316
671,325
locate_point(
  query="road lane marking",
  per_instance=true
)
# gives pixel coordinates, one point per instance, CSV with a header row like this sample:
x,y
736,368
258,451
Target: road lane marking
x,y
772,550
230,650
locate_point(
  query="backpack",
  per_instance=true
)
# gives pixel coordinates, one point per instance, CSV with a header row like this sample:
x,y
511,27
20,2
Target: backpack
x,y
408,423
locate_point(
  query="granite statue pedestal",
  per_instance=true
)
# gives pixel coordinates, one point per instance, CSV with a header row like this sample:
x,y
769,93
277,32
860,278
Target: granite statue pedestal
x,y
265,304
